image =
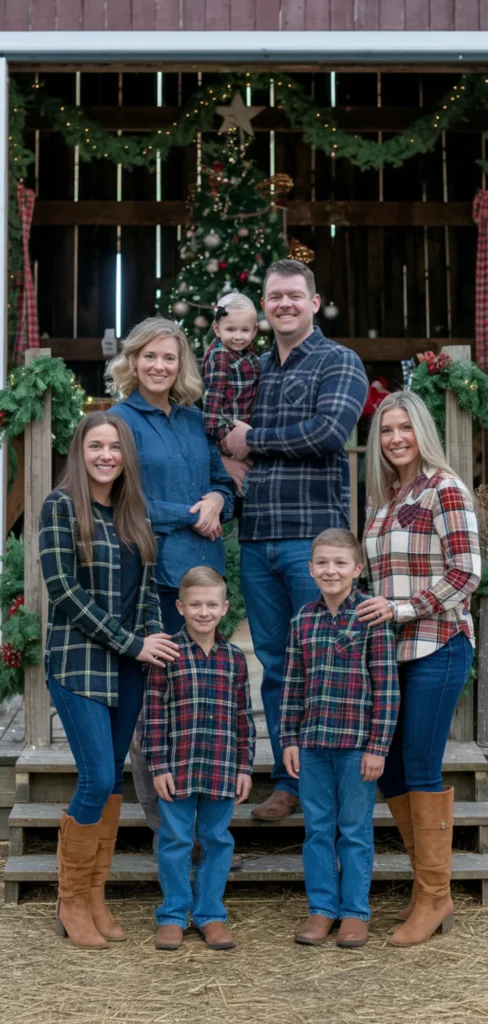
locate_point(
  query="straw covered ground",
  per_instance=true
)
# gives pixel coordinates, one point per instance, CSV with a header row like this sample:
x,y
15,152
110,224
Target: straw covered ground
x,y
266,980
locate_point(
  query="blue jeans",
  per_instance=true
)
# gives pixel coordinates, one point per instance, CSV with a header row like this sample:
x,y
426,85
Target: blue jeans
x,y
276,582
99,738
430,688
338,810
176,836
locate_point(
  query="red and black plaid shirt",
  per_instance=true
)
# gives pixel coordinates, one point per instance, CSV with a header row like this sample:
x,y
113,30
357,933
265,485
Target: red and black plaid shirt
x,y
341,680
197,720
231,383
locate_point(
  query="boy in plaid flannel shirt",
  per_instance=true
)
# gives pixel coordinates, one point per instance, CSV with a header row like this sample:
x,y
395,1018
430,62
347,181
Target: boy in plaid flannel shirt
x,y
230,369
339,709
199,739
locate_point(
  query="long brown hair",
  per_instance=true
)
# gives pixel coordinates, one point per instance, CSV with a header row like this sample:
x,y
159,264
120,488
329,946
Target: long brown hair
x,y
130,517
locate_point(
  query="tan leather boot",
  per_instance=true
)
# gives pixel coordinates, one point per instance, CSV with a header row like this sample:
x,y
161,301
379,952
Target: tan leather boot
x,y
77,851
432,820
217,936
101,915
168,936
400,810
314,931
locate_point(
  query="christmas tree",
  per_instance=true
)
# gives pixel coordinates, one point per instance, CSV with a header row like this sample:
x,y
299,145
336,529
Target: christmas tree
x,y
234,234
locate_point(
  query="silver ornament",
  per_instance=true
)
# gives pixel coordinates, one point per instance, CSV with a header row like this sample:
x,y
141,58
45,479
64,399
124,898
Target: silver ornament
x,y
212,240
213,266
263,325
331,311
182,287
243,232
180,308
200,321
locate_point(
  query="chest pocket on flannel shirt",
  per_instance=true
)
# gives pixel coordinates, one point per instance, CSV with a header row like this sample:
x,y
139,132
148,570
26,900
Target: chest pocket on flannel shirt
x,y
295,390
416,516
350,646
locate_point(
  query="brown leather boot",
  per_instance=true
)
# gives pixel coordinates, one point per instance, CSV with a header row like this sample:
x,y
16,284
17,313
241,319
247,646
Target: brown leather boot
x,y
169,936
278,806
432,820
314,931
400,810
77,851
352,933
101,915
217,936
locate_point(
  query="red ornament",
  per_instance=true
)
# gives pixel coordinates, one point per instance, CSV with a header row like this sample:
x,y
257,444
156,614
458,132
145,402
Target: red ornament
x,y
443,362
218,166
244,276
2,417
16,604
11,657
223,265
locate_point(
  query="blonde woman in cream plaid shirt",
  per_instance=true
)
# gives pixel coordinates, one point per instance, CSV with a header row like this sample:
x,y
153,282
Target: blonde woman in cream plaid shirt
x,y
421,543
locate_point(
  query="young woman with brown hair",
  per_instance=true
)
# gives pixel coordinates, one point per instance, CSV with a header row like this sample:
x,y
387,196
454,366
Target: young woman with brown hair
x,y
97,555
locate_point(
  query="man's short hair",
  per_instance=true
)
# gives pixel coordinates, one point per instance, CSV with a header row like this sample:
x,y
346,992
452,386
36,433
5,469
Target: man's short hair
x,y
338,538
201,576
288,268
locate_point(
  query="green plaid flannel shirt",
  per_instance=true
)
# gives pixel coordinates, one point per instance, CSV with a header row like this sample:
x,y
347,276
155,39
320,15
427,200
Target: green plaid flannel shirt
x,y
84,635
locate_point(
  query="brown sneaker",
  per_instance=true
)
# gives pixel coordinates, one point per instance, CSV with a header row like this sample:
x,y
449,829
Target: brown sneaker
x,y
168,936
217,936
352,933
279,805
314,931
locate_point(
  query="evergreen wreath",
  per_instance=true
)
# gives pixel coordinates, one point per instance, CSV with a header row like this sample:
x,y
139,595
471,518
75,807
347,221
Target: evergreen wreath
x,y
21,401
437,374
21,630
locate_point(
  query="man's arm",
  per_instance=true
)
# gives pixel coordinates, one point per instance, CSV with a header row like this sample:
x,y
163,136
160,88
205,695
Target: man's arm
x,y
341,399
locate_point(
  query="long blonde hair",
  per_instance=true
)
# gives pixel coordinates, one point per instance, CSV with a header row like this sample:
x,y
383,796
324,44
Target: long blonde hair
x,y
121,378
130,518
380,474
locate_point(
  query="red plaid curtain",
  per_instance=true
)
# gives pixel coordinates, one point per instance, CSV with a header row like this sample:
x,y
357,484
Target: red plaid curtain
x,y
27,335
480,215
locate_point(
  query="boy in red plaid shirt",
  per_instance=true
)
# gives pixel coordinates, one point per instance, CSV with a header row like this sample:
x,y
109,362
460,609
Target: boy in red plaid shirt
x,y
230,368
339,709
199,739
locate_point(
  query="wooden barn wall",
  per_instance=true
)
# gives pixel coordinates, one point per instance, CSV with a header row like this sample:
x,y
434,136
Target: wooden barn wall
x,y
241,15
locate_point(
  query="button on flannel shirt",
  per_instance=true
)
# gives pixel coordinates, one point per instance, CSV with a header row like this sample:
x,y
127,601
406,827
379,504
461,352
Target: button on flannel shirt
x,y
305,411
341,681
197,719
84,635
423,551
231,382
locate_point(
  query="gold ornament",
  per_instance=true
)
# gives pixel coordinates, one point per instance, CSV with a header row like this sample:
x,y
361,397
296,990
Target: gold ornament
x,y
237,115
277,185
299,251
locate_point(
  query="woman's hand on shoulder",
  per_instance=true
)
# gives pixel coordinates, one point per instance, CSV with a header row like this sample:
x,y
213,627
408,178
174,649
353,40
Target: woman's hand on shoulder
x,y
158,647
375,610
209,508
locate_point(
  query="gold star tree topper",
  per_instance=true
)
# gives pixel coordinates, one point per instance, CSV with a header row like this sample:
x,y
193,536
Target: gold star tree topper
x,y
237,115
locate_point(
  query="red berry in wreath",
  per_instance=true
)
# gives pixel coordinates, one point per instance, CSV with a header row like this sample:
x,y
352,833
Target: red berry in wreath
x,y
11,657
16,604
223,265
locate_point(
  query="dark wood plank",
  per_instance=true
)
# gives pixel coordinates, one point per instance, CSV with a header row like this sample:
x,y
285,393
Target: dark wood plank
x,y
43,15
94,18
416,15
341,213
268,15
342,15
193,15
442,15
217,15
144,15
367,15
317,15
466,15
168,15
392,15
69,15
293,15
243,15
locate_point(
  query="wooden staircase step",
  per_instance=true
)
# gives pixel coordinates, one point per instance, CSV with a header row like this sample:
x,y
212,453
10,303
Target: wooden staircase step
x,y
47,815
275,867
459,757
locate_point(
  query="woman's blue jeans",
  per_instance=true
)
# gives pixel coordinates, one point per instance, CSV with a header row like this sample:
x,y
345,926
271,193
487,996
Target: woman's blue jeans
x,y
99,738
430,689
182,821
338,810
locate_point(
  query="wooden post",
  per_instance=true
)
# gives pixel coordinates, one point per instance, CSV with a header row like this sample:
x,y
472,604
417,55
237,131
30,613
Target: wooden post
x,y
38,483
459,454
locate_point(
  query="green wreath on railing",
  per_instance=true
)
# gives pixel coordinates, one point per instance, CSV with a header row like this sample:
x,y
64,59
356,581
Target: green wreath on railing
x,y
437,374
21,401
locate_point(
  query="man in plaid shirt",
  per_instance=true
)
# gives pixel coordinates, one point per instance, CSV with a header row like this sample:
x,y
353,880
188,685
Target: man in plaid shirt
x,y
199,739
339,709
310,396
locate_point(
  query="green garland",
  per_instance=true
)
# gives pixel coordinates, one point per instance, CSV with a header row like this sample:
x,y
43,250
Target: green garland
x,y
437,374
21,401
21,632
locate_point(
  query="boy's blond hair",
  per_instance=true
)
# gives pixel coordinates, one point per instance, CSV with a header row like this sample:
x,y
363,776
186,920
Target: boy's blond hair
x,y
339,538
201,576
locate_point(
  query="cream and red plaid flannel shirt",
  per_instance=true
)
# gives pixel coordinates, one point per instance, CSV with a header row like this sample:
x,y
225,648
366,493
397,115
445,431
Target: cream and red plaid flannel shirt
x,y
423,552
